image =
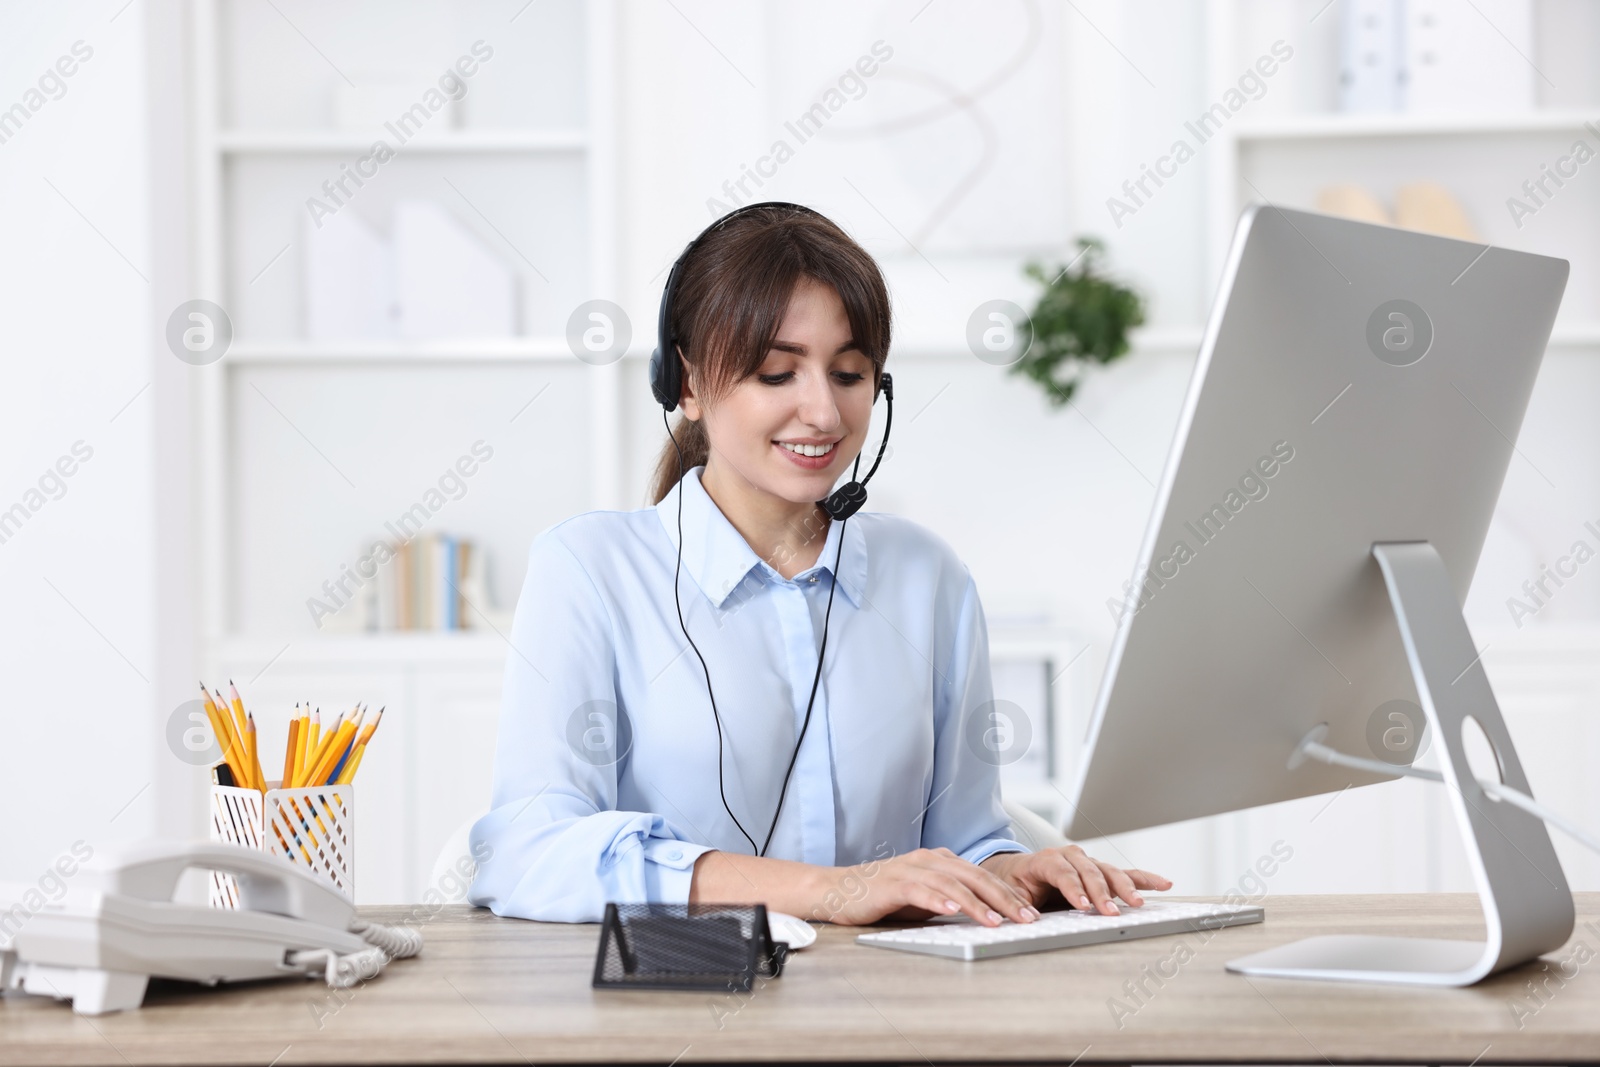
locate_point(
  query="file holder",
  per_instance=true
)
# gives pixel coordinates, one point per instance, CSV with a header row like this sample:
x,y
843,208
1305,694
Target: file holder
x,y
719,948
313,827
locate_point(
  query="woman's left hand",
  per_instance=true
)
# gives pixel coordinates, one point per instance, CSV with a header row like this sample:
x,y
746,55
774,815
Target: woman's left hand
x,y
1070,874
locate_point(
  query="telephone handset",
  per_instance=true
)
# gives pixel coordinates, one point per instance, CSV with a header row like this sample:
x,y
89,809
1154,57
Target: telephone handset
x,y
117,925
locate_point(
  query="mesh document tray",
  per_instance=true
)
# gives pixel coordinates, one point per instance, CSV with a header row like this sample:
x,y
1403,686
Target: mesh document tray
x,y
709,947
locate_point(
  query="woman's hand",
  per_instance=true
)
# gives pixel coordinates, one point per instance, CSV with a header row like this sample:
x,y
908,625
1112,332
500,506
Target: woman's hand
x,y
916,885
1072,875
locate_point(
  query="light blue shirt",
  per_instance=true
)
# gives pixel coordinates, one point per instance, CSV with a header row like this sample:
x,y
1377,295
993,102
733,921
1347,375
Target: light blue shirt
x,y
605,770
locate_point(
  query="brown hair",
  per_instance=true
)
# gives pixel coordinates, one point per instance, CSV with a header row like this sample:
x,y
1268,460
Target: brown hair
x,y
732,292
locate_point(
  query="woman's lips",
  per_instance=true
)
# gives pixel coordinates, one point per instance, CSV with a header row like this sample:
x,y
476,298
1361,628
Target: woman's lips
x,y
810,463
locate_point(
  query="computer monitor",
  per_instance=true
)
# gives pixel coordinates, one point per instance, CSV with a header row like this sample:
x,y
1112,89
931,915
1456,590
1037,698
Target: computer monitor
x,y
1336,463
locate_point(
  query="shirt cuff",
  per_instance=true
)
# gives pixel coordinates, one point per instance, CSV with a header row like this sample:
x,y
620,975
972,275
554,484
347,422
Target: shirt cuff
x,y
991,845
670,870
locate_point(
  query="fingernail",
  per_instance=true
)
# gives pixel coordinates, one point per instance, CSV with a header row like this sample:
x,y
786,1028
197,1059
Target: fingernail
x,y
1031,913
951,905
994,916
1083,902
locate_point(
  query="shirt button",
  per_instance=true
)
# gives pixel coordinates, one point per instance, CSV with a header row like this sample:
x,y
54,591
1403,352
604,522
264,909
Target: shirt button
x,y
812,579
675,854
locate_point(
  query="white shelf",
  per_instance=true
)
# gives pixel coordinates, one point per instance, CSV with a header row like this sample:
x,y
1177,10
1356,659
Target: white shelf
x,y
465,350
1181,339
1578,335
1336,125
393,647
310,142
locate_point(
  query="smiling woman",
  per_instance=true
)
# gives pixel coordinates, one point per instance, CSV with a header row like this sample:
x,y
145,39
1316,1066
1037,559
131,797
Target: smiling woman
x,y
774,332
767,268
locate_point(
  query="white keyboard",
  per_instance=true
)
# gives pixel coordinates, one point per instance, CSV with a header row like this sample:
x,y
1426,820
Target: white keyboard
x,y
962,939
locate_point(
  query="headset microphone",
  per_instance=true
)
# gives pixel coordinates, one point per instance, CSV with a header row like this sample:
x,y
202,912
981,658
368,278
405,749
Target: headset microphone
x,y
846,500
666,383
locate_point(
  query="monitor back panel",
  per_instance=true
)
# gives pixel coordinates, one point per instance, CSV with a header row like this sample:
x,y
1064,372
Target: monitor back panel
x,y
1356,384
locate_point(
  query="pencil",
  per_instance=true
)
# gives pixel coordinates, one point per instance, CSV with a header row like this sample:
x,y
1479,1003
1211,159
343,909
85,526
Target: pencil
x,y
345,750
353,766
237,705
221,724
333,751
241,755
288,750
372,727
330,741
234,729
224,735
311,746
300,742
257,779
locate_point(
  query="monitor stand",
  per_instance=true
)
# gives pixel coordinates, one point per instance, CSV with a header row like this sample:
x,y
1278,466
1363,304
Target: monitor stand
x,y
1527,906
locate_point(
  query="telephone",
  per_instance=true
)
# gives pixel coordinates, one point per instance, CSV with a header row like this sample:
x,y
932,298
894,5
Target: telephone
x,y
117,925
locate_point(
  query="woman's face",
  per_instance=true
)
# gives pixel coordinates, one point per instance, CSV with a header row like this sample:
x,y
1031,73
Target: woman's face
x,y
813,389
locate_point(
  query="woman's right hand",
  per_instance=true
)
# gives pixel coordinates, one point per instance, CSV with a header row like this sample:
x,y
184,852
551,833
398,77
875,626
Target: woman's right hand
x,y
913,886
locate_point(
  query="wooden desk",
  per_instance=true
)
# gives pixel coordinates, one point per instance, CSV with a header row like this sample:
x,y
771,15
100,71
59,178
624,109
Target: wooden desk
x,y
495,990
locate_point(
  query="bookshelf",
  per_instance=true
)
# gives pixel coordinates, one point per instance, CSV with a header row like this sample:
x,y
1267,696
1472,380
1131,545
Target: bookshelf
x,y
525,161
278,518
314,142
1294,140
1281,149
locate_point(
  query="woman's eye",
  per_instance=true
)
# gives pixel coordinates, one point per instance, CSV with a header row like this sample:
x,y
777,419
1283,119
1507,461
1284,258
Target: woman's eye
x,y
847,377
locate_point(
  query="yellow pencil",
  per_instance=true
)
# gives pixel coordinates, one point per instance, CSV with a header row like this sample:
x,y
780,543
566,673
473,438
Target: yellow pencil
x,y
328,737
224,736
252,752
347,775
288,750
332,751
372,728
311,747
342,751
302,739
235,729
237,705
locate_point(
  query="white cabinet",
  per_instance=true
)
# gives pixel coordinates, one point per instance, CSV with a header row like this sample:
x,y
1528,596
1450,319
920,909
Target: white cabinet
x,y
455,753
429,765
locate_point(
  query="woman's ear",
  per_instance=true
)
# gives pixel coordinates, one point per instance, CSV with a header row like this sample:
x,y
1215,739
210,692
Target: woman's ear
x,y
688,400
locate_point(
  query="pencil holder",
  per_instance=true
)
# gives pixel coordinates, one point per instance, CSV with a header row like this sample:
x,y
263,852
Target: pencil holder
x,y
313,827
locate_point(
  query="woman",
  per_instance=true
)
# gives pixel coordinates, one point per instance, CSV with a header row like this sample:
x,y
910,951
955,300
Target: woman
x,y
634,764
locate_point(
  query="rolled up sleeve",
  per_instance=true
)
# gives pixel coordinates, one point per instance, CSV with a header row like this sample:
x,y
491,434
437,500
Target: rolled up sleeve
x,y
553,846
966,814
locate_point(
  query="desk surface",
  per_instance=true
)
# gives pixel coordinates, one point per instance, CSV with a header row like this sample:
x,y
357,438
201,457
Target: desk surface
x,y
493,990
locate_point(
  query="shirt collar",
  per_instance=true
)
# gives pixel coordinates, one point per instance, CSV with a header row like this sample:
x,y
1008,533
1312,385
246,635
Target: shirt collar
x,y
718,558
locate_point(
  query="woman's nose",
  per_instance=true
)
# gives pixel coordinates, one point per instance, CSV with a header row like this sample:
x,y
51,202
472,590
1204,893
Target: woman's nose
x,y
817,405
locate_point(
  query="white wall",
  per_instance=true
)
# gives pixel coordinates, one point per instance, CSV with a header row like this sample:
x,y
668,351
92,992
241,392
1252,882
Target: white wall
x,y
1042,109
79,655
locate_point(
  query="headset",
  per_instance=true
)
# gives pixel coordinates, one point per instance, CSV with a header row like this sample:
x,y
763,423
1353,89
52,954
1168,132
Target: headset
x,y
666,382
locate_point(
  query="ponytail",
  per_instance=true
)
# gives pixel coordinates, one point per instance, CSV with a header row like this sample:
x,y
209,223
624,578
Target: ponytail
x,y
696,446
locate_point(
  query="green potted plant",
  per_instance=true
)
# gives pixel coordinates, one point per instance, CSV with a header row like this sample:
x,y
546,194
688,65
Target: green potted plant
x,y
1082,318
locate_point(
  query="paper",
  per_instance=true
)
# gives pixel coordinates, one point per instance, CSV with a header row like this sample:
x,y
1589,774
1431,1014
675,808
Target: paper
x,y
1468,57
1370,33
447,283
349,280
